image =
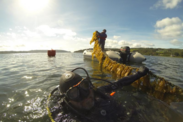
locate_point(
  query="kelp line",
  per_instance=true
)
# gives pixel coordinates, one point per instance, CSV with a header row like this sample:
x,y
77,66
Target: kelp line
x,y
151,84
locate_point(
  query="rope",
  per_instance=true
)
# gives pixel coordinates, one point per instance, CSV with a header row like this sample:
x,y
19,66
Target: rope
x,y
47,107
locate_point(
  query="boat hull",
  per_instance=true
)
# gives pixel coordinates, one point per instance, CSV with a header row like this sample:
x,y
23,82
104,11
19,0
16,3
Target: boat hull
x,y
51,53
135,57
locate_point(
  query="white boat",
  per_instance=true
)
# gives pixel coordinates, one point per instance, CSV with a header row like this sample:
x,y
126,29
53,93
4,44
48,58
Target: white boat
x,y
119,56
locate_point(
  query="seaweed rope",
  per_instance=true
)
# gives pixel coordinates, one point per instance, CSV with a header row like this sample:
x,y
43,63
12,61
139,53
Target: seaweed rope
x,y
48,110
151,84
47,105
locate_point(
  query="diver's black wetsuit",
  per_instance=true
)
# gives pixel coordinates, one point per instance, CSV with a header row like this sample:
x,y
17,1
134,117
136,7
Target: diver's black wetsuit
x,y
106,109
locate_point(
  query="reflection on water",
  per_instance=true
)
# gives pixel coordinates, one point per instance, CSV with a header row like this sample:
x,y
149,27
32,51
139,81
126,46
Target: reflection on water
x,y
27,79
169,68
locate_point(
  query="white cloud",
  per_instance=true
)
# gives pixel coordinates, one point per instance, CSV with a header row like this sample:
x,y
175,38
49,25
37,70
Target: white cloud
x,y
143,43
124,43
116,37
22,38
147,43
168,21
29,33
150,45
167,4
48,31
13,35
176,42
110,43
169,28
136,45
132,44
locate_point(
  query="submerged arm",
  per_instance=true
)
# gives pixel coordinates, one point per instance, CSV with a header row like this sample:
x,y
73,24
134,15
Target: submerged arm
x,y
125,80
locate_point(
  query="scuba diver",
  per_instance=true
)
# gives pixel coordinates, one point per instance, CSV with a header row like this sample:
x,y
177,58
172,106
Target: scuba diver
x,y
79,101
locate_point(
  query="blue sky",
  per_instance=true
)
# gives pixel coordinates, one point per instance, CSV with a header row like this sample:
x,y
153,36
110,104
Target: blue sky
x,y
69,24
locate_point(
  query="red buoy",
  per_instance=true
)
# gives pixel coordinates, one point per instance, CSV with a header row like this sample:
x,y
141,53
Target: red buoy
x,y
51,52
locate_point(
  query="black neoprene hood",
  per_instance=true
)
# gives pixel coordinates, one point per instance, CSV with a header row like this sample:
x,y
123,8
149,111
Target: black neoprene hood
x,y
67,80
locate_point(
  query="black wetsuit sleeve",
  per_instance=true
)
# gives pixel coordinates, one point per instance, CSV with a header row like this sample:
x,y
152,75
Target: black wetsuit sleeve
x,y
120,83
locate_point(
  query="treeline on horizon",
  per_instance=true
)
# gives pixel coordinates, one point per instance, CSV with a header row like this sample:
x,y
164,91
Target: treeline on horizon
x,y
159,51
31,51
150,51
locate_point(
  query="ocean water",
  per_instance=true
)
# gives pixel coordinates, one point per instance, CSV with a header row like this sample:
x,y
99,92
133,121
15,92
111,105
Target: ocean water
x,y
27,79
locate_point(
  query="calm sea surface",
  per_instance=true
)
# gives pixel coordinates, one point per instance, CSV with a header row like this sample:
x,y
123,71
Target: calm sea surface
x,y
26,79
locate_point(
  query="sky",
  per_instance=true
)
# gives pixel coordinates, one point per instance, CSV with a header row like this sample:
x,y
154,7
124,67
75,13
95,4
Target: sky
x,y
69,24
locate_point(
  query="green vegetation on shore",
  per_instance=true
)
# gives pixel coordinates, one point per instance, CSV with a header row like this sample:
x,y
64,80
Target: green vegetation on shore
x,y
31,51
151,51
159,52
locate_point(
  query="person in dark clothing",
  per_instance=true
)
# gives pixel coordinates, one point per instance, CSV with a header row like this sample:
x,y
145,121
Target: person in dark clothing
x,y
102,37
125,54
80,101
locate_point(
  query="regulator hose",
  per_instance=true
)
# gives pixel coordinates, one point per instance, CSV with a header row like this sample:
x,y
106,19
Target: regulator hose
x,y
62,95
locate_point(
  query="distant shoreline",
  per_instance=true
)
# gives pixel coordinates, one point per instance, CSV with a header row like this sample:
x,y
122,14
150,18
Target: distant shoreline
x,y
177,53
32,51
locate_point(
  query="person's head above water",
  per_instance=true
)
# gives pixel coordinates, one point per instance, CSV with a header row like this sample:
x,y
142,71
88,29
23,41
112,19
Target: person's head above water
x,y
67,80
104,30
77,90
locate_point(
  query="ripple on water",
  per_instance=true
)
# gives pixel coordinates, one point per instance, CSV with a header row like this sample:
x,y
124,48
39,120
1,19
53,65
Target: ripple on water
x,y
28,78
27,103
169,68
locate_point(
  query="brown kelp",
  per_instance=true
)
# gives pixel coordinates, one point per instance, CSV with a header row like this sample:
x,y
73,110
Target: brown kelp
x,y
151,84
